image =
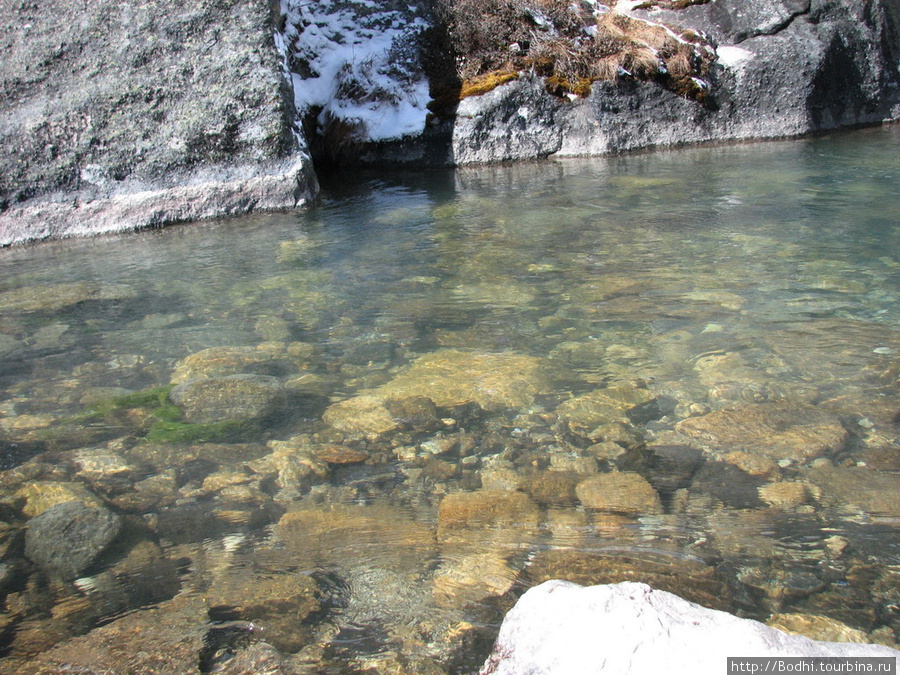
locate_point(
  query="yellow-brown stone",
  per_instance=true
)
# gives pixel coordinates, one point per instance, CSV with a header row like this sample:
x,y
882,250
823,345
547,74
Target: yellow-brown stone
x,y
625,493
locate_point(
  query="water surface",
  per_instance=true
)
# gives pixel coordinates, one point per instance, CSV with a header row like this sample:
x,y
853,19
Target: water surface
x,y
456,357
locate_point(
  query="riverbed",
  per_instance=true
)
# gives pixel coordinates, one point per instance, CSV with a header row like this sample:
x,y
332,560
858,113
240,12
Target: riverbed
x,y
359,432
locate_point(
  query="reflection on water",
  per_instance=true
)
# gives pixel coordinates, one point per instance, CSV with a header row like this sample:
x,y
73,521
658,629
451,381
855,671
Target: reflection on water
x,y
357,434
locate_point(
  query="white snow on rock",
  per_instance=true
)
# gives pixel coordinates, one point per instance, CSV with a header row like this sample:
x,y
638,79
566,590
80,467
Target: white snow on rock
x,y
348,58
561,628
733,57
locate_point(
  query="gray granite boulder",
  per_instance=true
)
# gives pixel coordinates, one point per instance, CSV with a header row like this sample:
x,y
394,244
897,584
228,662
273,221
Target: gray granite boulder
x,y
120,116
630,628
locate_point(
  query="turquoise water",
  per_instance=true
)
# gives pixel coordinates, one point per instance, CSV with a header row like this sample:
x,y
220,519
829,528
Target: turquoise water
x,y
532,326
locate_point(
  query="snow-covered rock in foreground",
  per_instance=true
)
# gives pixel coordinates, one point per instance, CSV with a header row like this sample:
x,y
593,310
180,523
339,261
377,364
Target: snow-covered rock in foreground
x,y
561,628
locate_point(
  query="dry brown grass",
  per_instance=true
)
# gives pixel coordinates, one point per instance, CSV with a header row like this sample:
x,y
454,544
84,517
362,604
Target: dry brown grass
x,y
489,37
641,62
679,65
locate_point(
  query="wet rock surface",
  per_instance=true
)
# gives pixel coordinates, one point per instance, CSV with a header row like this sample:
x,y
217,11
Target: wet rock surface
x,y
776,431
66,538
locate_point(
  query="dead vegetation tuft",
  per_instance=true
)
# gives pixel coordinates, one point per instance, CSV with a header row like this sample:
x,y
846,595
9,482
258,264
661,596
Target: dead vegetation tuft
x,y
571,45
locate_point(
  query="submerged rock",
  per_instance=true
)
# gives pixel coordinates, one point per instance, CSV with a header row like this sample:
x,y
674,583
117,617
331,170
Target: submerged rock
x,y
271,358
585,413
630,628
259,658
858,489
235,397
816,627
447,378
472,579
217,362
142,577
363,415
626,493
42,495
56,297
103,467
451,377
777,431
460,512
551,487
168,638
672,467
728,484
65,539
688,577
275,602
785,495
323,536
10,346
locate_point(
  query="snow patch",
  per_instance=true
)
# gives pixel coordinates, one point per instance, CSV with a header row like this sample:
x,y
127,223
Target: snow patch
x,y
350,60
733,57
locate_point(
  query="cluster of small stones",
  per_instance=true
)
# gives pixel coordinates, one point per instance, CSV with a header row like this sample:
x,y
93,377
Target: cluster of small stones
x,y
408,512
474,487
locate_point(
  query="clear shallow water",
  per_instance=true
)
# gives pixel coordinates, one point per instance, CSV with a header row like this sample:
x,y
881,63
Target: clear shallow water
x,y
587,307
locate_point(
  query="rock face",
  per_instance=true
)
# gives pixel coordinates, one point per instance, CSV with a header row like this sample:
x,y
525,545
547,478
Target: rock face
x,y
562,628
115,117
784,68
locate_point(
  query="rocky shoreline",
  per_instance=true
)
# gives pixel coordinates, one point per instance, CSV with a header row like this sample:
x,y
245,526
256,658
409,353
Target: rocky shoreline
x,y
119,119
